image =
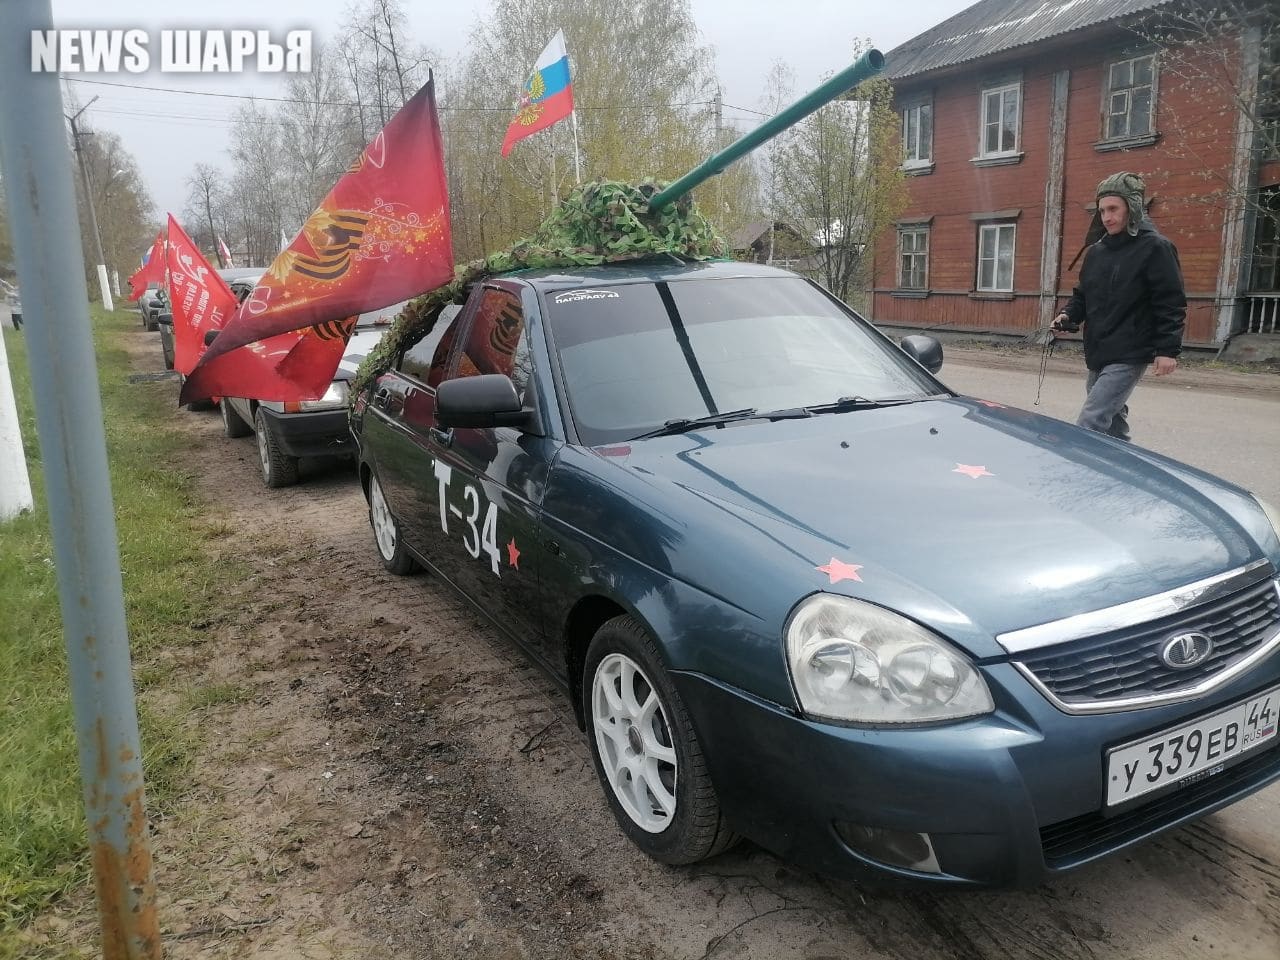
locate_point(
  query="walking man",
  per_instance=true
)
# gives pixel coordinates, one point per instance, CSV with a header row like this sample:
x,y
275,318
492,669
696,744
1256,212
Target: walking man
x,y
1131,302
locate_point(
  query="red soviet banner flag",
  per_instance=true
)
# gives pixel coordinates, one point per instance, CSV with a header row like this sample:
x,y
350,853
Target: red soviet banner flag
x,y
152,271
381,235
200,299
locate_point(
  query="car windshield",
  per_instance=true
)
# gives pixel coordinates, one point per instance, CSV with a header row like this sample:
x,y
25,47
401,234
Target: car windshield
x,y
638,356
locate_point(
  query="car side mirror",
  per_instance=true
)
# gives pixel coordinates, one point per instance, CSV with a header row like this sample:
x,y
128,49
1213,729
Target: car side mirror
x,y
210,336
488,400
925,351
166,319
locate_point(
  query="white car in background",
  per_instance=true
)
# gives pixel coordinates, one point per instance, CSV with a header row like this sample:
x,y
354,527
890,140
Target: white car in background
x,y
287,432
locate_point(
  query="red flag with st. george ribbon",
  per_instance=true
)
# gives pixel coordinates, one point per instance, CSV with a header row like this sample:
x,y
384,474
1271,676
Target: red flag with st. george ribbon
x,y
382,235
200,299
150,272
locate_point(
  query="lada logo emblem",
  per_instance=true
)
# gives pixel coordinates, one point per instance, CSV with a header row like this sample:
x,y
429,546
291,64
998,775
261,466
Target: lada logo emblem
x,y
1186,650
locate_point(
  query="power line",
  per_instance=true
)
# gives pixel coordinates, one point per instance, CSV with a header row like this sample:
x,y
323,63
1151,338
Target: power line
x,y
444,108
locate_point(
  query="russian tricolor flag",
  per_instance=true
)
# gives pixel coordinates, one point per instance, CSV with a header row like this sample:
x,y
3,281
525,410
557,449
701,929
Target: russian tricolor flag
x,y
547,96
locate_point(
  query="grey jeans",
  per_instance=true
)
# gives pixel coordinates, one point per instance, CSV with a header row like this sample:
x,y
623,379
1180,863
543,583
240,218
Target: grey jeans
x,y
1106,403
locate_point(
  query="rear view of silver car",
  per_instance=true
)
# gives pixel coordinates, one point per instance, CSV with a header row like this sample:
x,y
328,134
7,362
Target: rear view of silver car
x,y
287,432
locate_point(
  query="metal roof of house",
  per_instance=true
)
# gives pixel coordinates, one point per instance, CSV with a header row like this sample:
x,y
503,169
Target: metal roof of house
x,y
993,26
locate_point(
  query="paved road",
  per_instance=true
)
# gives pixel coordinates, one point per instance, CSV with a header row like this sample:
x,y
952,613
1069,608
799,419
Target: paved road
x,y
1229,425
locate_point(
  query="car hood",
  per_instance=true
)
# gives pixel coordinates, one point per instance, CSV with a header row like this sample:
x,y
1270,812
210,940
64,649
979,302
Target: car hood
x,y
358,347
970,517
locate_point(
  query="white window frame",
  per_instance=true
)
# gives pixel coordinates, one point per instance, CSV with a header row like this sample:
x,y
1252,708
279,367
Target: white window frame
x,y
903,232
1111,93
923,151
1005,90
996,231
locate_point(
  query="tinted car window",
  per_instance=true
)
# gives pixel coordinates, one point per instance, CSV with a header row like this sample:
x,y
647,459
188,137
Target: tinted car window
x,y
425,359
633,360
495,340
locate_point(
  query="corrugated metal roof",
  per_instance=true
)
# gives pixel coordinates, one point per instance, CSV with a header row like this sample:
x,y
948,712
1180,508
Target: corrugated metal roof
x,y
996,25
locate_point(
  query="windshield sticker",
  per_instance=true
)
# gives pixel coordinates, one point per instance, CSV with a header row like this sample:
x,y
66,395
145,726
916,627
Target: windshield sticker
x,y
972,471
838,570
576,296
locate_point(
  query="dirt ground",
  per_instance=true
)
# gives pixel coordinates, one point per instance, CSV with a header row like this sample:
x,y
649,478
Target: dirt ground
x,y
385,776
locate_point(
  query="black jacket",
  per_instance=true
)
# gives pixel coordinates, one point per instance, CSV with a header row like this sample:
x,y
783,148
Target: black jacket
x,y
1130,299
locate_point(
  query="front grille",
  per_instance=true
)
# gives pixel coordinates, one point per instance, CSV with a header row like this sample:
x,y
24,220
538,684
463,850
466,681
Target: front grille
x,y
1071,841
1126,662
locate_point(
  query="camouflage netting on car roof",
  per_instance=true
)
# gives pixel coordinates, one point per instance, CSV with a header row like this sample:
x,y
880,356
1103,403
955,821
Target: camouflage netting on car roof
x,y
605,221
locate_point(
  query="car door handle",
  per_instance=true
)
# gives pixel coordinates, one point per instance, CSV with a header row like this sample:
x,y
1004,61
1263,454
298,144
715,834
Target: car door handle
x,y
442,437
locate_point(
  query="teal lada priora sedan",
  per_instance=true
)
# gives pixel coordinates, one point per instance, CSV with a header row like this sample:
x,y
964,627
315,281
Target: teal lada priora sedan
x,y
801,592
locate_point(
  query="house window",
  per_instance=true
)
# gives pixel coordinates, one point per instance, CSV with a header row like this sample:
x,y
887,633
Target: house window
x,y
913,258
1130,98
1265,274
917,135
995,257
1000,109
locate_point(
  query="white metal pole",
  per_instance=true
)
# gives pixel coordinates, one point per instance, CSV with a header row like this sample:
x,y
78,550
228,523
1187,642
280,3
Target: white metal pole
x,y
577,160
15,484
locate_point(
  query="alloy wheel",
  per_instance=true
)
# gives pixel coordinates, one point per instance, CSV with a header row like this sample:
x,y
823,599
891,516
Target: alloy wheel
x,y
634,742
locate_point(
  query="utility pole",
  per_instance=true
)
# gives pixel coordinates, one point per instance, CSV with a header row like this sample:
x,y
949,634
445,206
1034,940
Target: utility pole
x,y
15,482
64,380
88,198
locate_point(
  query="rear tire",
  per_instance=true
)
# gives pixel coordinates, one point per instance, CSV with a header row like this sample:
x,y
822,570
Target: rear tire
x,y
233,425
278,468
386,533
645,751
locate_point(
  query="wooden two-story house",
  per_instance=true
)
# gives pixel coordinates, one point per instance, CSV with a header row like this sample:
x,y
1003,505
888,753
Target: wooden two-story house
x,y
1012,112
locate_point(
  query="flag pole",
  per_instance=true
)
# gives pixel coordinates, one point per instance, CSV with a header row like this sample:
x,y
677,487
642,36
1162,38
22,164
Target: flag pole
x,y
551,139
577,160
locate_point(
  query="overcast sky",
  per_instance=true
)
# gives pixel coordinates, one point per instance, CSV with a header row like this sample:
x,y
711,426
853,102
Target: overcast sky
x,y
169,133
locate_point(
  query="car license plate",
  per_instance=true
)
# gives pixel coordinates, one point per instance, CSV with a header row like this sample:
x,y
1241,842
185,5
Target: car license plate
x,y
1196,750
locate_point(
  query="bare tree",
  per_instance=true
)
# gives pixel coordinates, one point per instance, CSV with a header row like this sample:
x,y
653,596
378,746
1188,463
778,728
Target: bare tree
x,y
259,183
204,191
125,212
318,133
838,175
383,67
1222,60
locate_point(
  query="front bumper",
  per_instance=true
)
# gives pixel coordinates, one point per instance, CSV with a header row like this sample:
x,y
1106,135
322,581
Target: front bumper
x,y
1009,799
315,433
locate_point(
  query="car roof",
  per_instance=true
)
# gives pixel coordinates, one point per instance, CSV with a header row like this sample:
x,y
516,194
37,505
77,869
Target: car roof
x,y
648,270
241,273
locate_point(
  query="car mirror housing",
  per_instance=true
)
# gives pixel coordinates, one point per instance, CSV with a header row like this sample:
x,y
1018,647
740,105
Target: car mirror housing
x,y
925,351
488,400
166,319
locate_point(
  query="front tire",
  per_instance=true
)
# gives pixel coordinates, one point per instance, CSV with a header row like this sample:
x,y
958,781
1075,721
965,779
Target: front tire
x,y
278,468
386,533
233,425
645,751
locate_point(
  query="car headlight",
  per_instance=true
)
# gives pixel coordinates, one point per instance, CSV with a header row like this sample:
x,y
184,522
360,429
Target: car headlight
x,y
854,661
335,396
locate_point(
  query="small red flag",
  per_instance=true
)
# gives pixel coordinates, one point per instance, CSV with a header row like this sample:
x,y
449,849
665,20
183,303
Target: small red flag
x,y
382,235
200,299
152,271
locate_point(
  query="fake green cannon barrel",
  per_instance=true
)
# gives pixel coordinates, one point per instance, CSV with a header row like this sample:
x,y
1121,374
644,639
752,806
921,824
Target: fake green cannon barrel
x,y
870,63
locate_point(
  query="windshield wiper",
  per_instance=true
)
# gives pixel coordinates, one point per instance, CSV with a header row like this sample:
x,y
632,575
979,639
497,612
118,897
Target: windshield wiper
x,y
684,424
858,403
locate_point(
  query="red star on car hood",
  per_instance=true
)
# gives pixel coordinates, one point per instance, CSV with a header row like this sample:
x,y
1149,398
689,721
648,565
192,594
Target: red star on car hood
x,y
838,570
972,471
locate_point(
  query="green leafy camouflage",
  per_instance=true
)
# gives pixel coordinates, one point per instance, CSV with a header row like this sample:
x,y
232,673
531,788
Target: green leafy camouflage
x,y
605,221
